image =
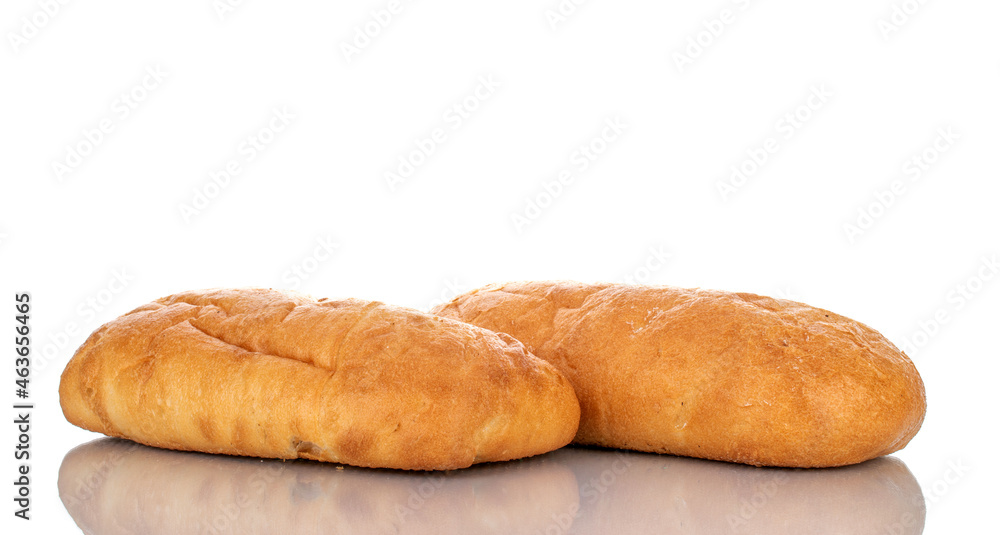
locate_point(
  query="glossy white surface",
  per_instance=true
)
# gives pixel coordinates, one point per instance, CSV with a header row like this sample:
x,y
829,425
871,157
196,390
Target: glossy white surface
x,y
117,487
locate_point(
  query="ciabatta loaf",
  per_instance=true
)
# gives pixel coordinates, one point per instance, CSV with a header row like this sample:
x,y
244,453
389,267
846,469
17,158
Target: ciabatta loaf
x,y
717,375
272,374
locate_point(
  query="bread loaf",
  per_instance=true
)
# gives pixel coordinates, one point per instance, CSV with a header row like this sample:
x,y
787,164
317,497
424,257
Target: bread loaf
x,y
271,374
718,375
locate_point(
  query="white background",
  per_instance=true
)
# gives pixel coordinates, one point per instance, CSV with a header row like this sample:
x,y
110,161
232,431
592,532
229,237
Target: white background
x,y
449,226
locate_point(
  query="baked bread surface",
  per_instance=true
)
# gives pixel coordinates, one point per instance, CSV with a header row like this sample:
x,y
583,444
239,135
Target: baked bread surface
x,y
717,375
272,374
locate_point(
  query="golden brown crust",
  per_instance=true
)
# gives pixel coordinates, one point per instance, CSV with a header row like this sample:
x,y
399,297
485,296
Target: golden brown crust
x,y
717,375
274,374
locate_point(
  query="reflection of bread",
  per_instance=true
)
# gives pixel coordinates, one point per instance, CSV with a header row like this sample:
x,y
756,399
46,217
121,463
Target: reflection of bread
x,y
272,374
639,493
717,375
113,487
